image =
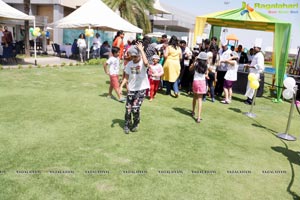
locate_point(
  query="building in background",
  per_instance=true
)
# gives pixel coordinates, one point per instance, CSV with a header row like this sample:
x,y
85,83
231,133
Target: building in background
x,y
168,19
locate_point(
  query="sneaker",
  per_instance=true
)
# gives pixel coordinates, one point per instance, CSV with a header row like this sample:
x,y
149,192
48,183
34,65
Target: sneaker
x,y
126,130
151,99
134,129
213,100
248,102
122,100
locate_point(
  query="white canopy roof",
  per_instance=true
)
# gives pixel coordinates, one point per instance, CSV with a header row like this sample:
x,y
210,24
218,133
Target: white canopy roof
x,y
8,12
157,6
94,13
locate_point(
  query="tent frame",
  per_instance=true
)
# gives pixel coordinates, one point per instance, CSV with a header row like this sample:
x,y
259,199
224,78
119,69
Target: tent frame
x,y
280,29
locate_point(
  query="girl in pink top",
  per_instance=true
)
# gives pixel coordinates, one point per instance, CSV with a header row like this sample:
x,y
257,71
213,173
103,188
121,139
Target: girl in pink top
x,y
155,72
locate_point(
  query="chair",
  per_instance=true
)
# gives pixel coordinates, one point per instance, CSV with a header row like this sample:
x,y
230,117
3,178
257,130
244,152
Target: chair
x,y
9,54
57,50
53,48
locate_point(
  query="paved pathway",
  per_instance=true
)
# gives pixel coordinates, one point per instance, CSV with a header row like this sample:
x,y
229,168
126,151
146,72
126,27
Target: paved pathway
x,y
40,61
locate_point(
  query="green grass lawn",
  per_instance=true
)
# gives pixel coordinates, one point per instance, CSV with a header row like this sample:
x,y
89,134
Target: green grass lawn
x,y
61,138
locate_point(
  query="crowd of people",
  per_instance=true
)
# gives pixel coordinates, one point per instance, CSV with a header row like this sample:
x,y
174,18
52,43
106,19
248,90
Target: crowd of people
x,y
206,70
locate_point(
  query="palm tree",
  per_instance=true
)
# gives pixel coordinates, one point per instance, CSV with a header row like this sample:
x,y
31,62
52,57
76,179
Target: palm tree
x,y
26,25
134,11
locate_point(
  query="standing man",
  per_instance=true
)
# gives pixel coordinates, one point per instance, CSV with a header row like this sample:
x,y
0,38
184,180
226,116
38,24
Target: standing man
x,y
184,62
96,45
243,58
257,67
225,53
8,39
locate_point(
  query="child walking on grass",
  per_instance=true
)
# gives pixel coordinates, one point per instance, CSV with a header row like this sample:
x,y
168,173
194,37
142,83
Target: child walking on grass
x,y
114,67
136,75
230,77
199,83
155,72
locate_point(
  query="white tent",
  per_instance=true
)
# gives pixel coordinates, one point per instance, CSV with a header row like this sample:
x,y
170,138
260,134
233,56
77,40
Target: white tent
x,y
159,9
8,12
96,14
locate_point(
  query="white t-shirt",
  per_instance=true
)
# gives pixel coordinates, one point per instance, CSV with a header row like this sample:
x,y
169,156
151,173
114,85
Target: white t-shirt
x,y
114,65
138,78
81,43
224,56
199,76
156,69
231,74
96,43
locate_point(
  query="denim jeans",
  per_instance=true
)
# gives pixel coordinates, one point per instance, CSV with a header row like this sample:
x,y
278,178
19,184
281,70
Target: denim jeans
x,y
174,85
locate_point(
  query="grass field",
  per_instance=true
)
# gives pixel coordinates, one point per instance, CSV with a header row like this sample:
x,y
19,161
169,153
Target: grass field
x,y
61,138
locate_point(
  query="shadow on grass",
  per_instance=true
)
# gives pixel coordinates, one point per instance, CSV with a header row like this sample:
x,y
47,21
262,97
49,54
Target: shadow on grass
x,y
119,122
238,99
103,95
237,110
183,111
292,156
268,129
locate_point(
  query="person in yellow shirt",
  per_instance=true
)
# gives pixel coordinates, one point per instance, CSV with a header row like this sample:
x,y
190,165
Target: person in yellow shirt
x,y
172,55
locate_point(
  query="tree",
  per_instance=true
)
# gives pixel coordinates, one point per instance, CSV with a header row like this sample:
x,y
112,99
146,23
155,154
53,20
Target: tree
x,y
26,25
134,11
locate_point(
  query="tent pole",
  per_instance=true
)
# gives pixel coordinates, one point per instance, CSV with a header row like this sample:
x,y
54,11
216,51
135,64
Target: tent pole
x,y
35,62
89,45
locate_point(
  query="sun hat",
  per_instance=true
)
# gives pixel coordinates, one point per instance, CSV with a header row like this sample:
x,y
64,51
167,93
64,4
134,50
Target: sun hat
x,y
155,57
202,56
133,51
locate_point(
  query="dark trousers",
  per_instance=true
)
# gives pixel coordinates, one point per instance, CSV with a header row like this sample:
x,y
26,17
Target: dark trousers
x,y
133,104
220,83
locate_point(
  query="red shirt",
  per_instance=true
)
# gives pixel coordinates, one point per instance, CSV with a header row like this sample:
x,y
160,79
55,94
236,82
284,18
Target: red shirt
x,y
115,44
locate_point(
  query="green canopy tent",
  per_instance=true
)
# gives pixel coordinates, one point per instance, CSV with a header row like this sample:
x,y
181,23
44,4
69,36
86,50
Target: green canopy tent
x,y
247,18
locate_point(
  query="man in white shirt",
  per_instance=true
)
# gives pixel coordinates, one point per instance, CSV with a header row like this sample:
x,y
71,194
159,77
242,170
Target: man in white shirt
x,y
225,54
96,45
256,67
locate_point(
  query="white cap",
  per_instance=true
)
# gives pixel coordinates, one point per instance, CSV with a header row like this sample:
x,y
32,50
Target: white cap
x,y
258,42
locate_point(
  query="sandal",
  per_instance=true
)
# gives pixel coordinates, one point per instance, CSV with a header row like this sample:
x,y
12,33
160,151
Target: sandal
x,y
193,113
224,102
198,120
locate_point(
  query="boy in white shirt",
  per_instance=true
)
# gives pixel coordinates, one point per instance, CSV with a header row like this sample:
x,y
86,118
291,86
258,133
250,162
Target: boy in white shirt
x,y
114,67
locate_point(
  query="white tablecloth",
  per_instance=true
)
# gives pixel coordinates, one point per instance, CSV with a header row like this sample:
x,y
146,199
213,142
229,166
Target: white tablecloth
x,y
67,49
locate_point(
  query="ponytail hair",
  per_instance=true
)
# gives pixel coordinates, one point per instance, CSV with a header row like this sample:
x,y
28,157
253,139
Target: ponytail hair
x,y
201,66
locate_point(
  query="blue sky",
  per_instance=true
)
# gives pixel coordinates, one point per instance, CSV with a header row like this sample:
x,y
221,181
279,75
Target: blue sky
x,y
247,37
